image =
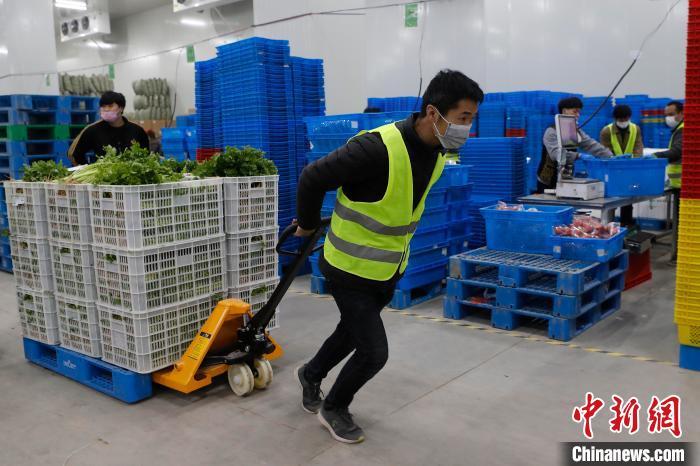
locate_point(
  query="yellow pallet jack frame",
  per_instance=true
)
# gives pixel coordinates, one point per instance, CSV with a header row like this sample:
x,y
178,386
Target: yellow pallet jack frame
x,y
233,340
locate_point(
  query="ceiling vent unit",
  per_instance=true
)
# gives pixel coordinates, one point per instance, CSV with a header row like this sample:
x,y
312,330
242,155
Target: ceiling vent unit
x,y
185,5
84,25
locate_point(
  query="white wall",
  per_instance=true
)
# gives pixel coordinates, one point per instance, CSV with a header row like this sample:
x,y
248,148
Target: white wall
x,y
138,42
505,45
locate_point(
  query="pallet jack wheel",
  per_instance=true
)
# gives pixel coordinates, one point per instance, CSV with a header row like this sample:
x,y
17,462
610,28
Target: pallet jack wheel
x,y
240,378
264,369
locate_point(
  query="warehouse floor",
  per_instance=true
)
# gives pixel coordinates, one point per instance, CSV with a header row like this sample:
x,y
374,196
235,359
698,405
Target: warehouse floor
x,y
449,395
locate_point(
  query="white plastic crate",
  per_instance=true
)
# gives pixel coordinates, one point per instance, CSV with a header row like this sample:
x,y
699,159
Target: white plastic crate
x,y
139,281
251,257
79,325
250,203
257,294
31,263
68,211
26,208
135,217
37,315
73,270
151,341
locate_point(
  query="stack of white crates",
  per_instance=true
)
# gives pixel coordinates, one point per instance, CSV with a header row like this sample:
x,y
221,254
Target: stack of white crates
x,y
251,236
29,242
159,259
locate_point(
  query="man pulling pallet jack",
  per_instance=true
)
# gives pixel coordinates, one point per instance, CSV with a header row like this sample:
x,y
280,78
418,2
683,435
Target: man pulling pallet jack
x,y
383,178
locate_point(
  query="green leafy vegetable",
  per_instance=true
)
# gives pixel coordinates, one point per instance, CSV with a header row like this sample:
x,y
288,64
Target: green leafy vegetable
x,y
45,170
235,161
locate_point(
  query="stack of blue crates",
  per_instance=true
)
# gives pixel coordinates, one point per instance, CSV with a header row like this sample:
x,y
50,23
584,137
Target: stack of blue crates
x,y
182,121
655,133
536,126
516,121
5,253
477,226
173,143
498,166
208,117
309,100
395,104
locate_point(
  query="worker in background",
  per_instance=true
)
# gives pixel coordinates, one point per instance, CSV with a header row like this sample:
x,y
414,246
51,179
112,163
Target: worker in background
x,y
548,171
674,154
623,137
383,177
111,130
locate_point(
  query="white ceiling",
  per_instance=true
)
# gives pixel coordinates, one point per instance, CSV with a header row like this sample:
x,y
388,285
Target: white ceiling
x,y
121,8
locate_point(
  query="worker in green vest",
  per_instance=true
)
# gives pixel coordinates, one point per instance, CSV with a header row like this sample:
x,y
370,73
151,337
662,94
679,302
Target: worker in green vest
x,y
674,154
382,179
623,137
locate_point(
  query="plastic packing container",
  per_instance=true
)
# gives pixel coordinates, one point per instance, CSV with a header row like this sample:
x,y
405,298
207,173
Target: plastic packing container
x,y
26,208
629,177
73,270
434,217
422,276
588,249
31,259
134,217
523,231
150,341
437,197
37,315
257,294
68,212
427,237
428,256
139,281
78,325
251,257
250,203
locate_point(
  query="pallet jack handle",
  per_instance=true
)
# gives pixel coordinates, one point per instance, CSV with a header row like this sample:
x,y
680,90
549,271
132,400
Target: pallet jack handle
x,y
265,314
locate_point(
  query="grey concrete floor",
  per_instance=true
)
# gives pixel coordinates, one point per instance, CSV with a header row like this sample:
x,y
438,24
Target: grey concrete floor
x,y
449,395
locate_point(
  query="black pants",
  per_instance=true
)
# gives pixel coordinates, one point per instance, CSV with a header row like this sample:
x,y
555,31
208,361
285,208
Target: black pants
x,y
360,330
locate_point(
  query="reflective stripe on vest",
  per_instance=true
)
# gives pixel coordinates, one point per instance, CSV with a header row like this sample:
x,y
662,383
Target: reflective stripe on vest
x,y
675,170
617,149
371,239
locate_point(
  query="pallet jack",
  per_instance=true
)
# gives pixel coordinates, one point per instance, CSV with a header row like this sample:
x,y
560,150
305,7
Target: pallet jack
x,y
234,340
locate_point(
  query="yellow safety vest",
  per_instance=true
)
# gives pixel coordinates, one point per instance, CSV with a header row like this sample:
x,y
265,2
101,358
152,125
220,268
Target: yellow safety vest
x,y
617,149
674,169
371,239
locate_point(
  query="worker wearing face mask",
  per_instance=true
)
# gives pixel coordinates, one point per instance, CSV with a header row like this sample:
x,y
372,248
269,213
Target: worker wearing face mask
x,y
548,170
113,129
383,178
622,136
674,154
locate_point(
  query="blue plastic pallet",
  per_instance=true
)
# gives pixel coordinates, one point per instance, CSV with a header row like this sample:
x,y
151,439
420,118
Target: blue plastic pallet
x,y
12,116
114,381
559,328
536,272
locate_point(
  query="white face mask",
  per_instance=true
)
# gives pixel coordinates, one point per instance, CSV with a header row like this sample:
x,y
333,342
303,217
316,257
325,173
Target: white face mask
x,y
671,122
455,135
623,124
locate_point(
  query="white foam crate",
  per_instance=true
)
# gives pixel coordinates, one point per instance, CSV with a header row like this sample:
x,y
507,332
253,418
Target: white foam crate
x,y
257,294
250,203
73,270
31,263
135,217
139,281
26,208
153,340
79,325
251,257
37,315
68,212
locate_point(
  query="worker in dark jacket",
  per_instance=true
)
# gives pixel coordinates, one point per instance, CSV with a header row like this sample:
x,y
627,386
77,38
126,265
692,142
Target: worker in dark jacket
x,y
111,130
383,177
548,170
674,154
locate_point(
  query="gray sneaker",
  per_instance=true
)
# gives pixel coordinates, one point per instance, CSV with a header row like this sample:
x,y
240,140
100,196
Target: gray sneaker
x,y
341,426
311,399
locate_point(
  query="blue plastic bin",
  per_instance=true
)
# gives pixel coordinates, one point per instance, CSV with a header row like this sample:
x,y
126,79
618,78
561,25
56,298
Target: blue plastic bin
x,y
588,249
523,231
629,177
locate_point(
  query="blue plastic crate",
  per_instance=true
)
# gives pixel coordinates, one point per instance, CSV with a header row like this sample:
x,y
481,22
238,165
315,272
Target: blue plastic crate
x,y
628,176
453,175
427,237
434,217
588,249
422,276
459,194
523,231
437,197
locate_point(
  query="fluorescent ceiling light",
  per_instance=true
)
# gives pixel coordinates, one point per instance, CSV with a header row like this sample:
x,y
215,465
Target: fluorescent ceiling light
x,y
193,22
96,44
3,50
71,4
